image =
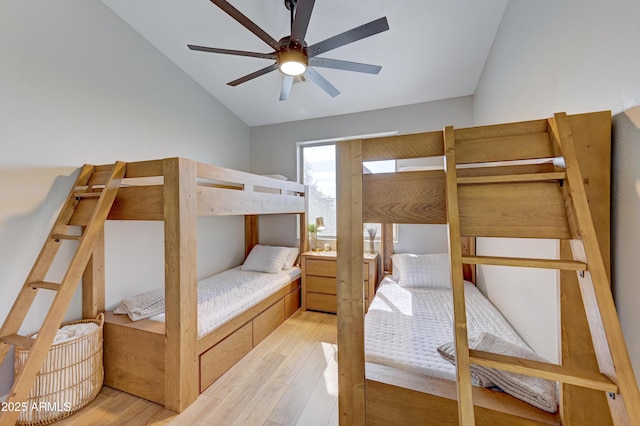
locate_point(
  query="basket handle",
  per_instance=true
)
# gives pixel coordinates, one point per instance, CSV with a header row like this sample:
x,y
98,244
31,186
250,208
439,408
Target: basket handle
x,y
100,318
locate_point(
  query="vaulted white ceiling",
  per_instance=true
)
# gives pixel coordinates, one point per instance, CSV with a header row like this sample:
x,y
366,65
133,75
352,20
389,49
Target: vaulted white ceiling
x,y
434,49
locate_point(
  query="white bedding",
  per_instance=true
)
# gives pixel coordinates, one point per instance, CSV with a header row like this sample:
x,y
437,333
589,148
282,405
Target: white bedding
x,y
229,293
404,326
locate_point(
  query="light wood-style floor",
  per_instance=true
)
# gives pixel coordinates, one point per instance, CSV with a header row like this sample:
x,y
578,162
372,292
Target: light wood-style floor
x,y
290,378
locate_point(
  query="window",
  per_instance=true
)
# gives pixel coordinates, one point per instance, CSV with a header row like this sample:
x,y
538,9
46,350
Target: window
x,y
318,171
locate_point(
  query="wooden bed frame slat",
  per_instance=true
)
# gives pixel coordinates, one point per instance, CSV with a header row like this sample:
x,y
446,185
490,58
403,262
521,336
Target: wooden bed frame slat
x,y
513,210
131,203
224,202
396,396
217,173
405,146
546,167
501,130
408,197
521,177
137,169
505,148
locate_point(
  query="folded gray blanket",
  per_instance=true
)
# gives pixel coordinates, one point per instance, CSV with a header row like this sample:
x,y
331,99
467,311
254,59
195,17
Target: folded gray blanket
x,y
538,392
143,305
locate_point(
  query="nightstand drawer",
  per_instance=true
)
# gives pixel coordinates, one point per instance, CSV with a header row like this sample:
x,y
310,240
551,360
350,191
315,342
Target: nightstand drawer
x,y
323,268
327,268
322,302
326,285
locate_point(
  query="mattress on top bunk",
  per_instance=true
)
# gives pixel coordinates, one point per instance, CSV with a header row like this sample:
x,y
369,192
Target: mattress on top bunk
x,y
405,325
229,293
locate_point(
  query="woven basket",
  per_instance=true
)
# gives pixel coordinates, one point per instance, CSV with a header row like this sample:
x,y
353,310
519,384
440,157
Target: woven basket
x,y
70,378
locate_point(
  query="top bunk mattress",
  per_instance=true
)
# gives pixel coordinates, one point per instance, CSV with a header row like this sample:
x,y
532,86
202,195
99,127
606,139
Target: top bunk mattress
x,y
405,325
229,293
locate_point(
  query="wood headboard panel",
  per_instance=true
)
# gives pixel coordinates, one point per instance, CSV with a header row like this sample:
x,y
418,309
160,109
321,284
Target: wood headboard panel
x,y
386,246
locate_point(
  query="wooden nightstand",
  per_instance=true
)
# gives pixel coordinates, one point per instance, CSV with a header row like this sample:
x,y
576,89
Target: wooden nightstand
x,y
319,280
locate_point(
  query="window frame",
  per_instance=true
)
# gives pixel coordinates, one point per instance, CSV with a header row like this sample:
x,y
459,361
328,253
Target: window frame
x,y
300,146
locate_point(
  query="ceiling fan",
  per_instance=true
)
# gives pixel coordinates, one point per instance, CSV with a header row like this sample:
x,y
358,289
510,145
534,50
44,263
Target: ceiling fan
x,y
292,55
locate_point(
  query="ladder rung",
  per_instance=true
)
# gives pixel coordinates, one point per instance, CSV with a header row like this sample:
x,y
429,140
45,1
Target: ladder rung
x,y
18,340
87,194
66,237
45,285
560,373
567,265
523,177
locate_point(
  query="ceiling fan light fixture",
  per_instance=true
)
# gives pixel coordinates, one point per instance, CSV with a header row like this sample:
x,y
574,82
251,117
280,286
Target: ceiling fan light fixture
x,y
292,62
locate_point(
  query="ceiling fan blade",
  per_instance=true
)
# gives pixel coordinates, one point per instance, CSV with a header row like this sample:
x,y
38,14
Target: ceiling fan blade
x,y
344,65
301,22
287,83
253,75
246,22
355,34
314,76
233,52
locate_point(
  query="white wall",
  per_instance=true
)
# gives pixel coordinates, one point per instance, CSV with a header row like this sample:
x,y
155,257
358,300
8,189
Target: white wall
x,y
273,150
574,56
78,85
626,227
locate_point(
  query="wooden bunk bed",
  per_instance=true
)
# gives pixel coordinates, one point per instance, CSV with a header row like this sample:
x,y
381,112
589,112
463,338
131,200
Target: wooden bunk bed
x,y
164,362
168,363
541,200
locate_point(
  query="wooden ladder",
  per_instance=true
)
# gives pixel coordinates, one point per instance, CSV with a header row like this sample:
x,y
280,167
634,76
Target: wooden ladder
x,y
91,197
616,376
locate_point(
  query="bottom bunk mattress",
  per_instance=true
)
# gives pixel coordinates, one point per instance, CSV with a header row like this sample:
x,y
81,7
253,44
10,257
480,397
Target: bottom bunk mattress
x,y
221,297
229,293
406,326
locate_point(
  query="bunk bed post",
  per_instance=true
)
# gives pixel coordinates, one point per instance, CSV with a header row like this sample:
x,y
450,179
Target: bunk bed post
x,y
93,281
251,233
610,348
468,249
304,237
592,140
386,246
351,397
181,328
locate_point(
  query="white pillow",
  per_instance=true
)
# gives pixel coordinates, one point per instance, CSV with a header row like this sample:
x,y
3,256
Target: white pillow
x,y
425,270
266,259
396,266
291,257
